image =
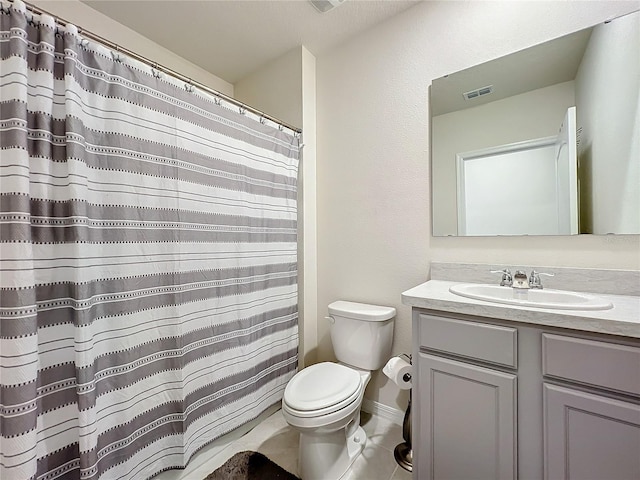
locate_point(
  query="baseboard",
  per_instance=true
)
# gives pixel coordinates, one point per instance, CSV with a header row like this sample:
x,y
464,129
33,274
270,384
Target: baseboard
x,y
384,411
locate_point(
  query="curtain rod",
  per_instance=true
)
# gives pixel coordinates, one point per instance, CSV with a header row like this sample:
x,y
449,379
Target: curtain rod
x,y
162,68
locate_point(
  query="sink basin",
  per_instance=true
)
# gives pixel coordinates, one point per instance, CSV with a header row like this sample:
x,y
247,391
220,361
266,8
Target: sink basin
x,y
555,299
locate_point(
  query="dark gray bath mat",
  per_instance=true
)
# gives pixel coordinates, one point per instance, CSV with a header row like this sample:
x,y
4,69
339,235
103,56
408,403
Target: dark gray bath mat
x,y
250,466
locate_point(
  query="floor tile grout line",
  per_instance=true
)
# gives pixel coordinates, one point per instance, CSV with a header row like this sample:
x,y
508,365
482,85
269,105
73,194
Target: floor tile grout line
x,y
383,447
393,474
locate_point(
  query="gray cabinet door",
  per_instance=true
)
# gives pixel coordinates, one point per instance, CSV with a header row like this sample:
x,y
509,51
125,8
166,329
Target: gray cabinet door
x,y
469,422
589,436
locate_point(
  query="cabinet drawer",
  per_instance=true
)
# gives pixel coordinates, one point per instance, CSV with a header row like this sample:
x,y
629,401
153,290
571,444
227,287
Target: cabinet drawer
x,y
602,364
480,341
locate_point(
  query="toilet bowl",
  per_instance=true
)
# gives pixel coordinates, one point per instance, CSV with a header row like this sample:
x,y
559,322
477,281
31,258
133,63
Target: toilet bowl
x,y
323,400
324,406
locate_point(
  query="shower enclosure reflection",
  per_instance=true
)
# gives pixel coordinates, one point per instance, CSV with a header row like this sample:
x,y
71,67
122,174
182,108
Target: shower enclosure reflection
x,y
597,71
536,183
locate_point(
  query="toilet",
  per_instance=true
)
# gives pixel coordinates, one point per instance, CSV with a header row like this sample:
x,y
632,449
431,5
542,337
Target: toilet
x,y
323,400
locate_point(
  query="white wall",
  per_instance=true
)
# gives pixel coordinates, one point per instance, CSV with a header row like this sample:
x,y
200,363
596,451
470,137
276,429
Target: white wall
x,y
610,141
373,156
93,21
502,122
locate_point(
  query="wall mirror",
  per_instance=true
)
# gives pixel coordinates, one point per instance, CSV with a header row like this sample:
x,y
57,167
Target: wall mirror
x,y
544,141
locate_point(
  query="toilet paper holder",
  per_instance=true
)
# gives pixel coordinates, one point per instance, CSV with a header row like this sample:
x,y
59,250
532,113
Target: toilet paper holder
x,y
407,358
403,452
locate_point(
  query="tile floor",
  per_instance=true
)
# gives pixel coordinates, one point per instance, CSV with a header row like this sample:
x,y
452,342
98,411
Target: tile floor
x,y
275,439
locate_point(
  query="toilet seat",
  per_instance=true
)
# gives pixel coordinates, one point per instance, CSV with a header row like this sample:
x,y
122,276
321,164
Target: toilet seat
x,y
322,389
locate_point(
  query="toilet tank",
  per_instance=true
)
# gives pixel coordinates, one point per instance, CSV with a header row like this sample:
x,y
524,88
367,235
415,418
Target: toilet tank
x,y
361,334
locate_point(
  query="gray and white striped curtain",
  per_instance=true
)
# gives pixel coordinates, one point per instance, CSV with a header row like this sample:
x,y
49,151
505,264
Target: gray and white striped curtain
x,y
148,283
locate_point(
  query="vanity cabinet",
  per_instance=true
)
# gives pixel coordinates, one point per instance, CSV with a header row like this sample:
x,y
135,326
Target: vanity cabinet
x,y
495,399
472,428
590,436
590,430
468,400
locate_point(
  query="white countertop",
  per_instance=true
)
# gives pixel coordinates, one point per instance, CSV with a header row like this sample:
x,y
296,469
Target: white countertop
x,y
623,319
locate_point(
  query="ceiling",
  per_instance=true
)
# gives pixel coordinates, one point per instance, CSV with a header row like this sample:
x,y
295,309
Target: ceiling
x,y
232,38
540,66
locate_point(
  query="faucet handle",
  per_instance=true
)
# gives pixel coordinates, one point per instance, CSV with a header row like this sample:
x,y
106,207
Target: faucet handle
x,y
534,278
507,279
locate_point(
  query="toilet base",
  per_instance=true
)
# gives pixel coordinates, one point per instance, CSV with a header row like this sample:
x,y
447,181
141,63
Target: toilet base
x,y
328,455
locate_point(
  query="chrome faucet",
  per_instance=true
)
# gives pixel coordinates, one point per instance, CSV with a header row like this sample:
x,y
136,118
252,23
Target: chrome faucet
x,y
520,280
507,279
534,279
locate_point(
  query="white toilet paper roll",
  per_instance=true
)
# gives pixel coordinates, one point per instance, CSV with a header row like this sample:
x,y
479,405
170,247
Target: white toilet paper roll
x,y
399,371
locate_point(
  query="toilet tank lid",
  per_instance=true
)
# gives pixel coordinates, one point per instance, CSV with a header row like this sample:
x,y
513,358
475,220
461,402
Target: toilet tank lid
x,y
361,311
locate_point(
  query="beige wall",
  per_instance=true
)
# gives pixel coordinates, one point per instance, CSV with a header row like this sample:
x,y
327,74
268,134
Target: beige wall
x,y
286,89
93,21
308,186
374,235
502,122
275,88
608,102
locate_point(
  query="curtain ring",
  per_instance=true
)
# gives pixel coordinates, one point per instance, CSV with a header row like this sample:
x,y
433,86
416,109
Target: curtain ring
x,y
242,110
262,119
217,100
115,55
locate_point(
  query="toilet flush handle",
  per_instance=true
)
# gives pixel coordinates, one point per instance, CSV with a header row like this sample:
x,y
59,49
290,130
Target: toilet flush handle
x,y
330,319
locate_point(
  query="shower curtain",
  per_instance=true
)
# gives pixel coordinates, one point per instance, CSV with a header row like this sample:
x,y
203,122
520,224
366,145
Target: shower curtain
x,y
148,282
